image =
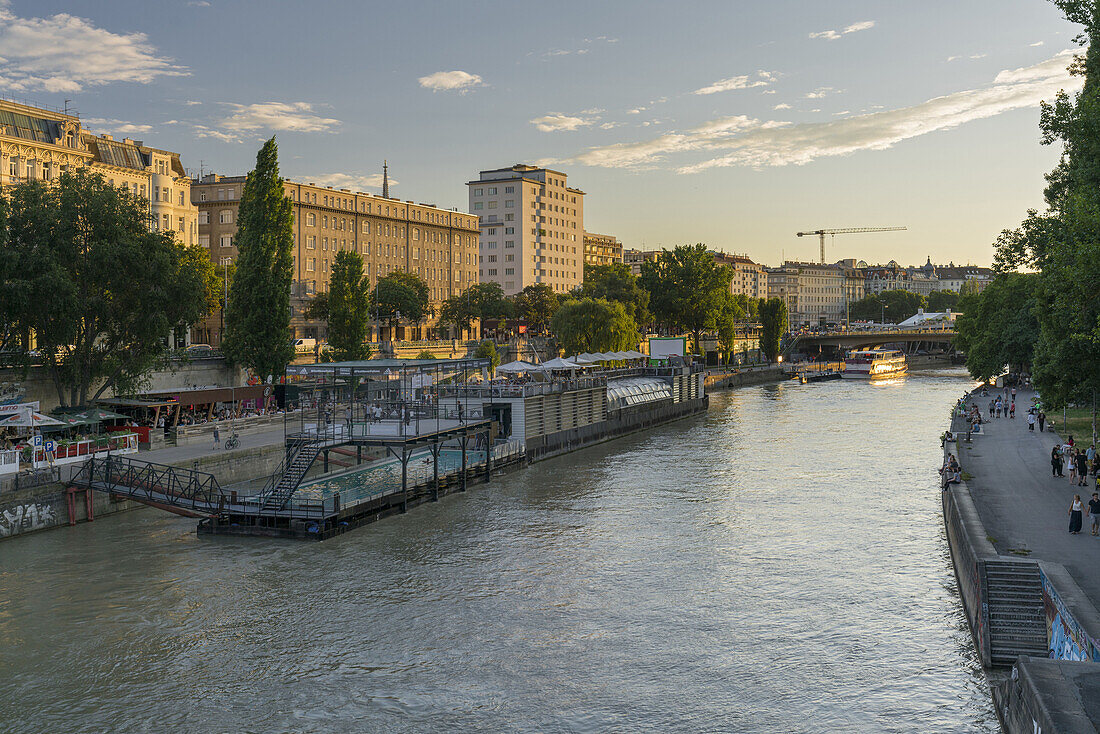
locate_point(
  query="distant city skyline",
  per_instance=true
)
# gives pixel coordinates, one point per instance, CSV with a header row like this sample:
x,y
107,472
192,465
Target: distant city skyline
x,y
732,126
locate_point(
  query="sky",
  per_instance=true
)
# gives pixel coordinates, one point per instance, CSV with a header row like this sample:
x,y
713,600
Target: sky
x,y
732,123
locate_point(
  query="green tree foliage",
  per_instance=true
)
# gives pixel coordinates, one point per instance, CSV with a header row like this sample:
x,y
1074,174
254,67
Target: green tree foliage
x,y
257,322
893,306
426,355
594,325
488,350
402,296
616,283
773,324
348,308
317,308
13,299
998,327
98,289
733,313
1063,243
687,289
479,301
536,304
940,301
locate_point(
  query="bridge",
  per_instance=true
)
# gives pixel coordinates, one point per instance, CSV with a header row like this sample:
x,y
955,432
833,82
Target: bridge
x,y
853,339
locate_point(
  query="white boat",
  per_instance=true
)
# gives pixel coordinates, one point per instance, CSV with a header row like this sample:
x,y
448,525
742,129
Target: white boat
x,y
875,364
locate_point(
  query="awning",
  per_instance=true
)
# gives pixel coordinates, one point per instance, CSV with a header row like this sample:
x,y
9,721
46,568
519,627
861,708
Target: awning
x,y
188,398
28,419
517,366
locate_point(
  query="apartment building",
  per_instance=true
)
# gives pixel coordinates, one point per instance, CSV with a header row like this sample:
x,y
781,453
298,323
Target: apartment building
x,y
37,143
601,249
952,277
532,228
439,245
815,293
749,278
635,258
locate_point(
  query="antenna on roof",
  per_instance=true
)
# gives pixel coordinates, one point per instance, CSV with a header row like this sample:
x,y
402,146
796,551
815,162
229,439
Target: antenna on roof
x,y
385,179
66,110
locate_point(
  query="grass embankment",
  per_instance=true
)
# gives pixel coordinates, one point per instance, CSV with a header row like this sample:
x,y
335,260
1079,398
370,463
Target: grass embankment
x,y
1078,422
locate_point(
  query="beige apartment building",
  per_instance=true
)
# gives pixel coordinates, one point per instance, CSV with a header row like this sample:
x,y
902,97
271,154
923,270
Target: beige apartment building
x,y
602,249
438,245
37,143
532,228
749,278
815,293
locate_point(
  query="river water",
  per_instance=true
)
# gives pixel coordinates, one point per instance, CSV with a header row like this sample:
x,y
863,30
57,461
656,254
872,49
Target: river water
x,y
778,565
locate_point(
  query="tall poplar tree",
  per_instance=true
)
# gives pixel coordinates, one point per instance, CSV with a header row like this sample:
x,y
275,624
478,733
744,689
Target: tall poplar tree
x,y
257,322
348,308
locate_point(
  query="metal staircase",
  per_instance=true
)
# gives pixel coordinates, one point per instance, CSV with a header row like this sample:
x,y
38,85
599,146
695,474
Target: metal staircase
x,y
1017,623
286,479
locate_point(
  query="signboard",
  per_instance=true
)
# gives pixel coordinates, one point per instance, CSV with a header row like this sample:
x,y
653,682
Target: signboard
x,y
19,407
662,347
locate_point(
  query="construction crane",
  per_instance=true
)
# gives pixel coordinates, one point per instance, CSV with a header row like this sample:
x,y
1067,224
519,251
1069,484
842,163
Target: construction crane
x,y
850,230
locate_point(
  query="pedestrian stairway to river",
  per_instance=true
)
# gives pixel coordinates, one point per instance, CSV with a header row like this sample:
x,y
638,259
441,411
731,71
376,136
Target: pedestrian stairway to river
x,y
1017,625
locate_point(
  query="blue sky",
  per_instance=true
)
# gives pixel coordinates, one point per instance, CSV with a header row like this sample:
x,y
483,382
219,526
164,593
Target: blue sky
x,y
732,123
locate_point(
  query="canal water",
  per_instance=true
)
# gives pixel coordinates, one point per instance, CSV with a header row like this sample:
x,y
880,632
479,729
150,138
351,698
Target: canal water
x,y
778,565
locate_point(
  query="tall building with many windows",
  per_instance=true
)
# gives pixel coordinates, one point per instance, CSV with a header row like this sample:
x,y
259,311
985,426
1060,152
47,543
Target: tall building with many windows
x,y
749,278
814,293
438,245
532,228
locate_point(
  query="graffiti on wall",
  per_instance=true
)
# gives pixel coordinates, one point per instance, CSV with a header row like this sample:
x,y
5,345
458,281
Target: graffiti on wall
x,y
1067,641
24,518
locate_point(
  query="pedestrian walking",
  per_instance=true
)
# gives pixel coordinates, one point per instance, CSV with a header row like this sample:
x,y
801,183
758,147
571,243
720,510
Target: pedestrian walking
x,y
1056,461
1042,420
1075,515
1014,395
1094,512
1082,468
1071,459
1012,410
992,405
1090,454
1031,422
217,437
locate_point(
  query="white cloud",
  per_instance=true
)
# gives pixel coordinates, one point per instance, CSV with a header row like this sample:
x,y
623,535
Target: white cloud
x,y
296,117
610,125
820,93
64,53
831,35
355,182
202,131
762,79
1037,43
116,127
192,102
745,142
460,81
556,122
636,111
199,4
782,106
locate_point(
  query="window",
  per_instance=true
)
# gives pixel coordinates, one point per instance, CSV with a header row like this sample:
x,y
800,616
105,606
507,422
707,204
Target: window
x,y
204,217
478,192
492,205
225,216
509,189
181,224
221,194
509,230
509,204
509,271
202,196
324,222
492,191
416,233
204,240
167,223
311,242
478,206
366,227
181,198
509,244
311,264
226,240
311,220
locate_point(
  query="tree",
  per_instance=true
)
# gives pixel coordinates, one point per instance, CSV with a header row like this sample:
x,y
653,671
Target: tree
x,y
773,324
732,313
616,283
257,322
893,306
479,301
425,355
998,327
536,304
99,290
348,308
594,325
487,350
317,308
940,301
402,295
687,289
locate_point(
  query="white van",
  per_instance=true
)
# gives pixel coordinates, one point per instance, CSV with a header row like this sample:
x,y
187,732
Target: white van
x,y
305,345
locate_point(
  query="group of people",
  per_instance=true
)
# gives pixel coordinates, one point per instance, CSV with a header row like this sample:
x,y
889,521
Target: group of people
x,y
1075,509
950,472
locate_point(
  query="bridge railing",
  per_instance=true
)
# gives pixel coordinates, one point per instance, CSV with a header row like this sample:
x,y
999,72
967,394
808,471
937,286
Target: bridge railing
x,y
179,487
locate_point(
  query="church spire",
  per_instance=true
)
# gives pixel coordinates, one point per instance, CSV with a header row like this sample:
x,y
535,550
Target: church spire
x,y
385,179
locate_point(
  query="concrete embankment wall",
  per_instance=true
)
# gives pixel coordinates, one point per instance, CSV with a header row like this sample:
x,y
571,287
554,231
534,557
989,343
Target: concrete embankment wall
x,y
745,377
46,506
618,423
970,546
1049,696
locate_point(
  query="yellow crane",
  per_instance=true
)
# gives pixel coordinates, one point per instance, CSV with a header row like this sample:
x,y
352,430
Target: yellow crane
x,y
849,230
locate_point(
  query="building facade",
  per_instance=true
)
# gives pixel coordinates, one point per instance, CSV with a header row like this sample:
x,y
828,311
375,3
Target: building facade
x,y
815,294
601,249
438,245
749,278
635,258
952,277
532,228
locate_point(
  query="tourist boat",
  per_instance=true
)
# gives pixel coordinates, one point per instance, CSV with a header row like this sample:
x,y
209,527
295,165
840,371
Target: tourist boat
x,y
875,364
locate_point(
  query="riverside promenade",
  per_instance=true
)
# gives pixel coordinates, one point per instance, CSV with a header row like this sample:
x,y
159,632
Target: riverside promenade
x,y
1031,589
